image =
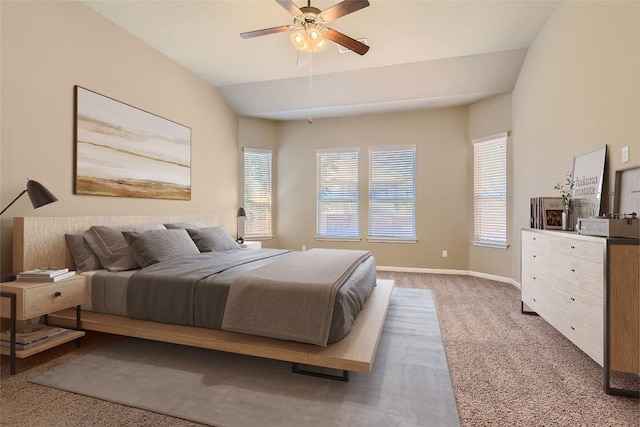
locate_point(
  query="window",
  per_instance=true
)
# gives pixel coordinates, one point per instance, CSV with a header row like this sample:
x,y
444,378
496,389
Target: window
x,y
490,191
338,214
392,195
257,193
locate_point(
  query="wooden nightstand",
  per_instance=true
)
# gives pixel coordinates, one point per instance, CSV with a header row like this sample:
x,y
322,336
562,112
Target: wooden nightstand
x,y
251,244
26,300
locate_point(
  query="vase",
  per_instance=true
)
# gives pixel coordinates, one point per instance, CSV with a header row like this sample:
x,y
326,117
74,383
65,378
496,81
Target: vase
x,y
567,219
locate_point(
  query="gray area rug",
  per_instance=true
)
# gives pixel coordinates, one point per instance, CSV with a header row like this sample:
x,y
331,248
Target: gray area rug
x,y
409,384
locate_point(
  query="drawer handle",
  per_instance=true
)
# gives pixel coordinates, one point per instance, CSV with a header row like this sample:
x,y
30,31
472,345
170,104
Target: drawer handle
x,y
58,294
535,300
534,256
534,277
573,299
573,270
572,328
573,247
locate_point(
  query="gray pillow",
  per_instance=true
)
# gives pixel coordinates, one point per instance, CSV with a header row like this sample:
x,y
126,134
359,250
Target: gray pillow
x,y
111,248
151,247
186,225
213,239
83,256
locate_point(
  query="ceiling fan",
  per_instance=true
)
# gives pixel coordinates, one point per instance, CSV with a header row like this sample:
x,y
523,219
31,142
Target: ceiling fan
x,y
309,26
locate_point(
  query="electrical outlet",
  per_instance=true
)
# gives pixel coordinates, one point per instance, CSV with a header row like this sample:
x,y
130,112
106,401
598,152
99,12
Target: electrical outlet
x,y
445,254
625,154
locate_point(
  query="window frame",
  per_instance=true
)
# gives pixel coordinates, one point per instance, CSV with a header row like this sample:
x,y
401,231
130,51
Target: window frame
x,y
267,228
371,237
482,227
354,200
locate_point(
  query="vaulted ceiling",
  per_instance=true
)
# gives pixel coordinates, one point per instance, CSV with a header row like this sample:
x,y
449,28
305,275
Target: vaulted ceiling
x,y
424,54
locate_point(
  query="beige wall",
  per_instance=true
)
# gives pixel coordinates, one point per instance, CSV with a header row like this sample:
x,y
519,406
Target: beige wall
x,y
486,118
579,88
46,49
442,205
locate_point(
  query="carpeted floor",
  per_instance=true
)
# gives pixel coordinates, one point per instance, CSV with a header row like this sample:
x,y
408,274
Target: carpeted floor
x,y
507,369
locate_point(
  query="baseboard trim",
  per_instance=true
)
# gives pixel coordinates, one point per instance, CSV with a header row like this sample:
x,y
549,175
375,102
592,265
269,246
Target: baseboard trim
x,y
459,272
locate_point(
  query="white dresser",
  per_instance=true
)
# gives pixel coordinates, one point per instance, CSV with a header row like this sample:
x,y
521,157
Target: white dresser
x,y
568,279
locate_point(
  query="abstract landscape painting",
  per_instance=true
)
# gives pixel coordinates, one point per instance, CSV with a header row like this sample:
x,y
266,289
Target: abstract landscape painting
x,y
127,152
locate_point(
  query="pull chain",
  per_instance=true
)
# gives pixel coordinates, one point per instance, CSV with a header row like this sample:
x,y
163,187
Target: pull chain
x,y
310,58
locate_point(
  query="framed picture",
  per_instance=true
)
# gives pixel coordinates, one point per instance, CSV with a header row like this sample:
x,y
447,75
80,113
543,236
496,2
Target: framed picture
x,y
552,208
123,151
588,173
626,199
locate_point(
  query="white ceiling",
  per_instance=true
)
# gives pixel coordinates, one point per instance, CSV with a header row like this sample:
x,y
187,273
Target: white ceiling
x,y
424,53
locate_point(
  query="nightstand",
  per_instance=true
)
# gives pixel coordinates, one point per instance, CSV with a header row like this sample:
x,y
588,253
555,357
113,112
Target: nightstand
x,y
248,244
26,300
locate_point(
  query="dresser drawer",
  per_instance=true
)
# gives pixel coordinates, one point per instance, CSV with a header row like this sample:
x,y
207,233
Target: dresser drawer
x,y
584,335
565,243
37,299
583,249
583,274
536,239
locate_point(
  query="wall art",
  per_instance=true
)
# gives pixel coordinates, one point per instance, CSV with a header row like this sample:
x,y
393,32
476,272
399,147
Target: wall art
x,y
124,151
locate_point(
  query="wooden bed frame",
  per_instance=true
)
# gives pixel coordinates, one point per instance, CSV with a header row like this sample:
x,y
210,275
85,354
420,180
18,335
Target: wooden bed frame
x,y
40,241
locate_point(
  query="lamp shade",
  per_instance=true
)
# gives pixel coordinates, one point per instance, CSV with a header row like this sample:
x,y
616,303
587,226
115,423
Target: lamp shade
x,y
241,213
39,194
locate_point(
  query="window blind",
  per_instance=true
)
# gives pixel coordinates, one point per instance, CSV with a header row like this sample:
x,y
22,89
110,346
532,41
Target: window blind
x,y
392,193
257,192
338,194
490,190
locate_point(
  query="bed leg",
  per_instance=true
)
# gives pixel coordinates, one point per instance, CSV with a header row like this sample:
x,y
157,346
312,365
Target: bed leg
x,y
295,368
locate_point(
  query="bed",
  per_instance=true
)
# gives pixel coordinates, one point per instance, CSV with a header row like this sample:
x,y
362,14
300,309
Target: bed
x,y
348,345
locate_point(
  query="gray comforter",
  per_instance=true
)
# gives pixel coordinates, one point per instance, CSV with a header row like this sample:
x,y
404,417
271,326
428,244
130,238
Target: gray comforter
x,y
292,298
194,290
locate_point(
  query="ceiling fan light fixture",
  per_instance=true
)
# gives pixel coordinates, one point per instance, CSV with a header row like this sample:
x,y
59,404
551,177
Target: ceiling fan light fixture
x,y
299,39
309,38
309,30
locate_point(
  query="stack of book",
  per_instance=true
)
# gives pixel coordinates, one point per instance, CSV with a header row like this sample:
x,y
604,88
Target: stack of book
x,y
30,336
45,275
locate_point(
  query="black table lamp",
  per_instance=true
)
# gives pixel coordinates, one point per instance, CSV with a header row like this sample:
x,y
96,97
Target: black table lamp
x,y
38,194
241,216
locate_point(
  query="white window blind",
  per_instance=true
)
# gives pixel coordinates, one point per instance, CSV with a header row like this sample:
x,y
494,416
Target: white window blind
x,y
257,192
392,193
338,194
490,191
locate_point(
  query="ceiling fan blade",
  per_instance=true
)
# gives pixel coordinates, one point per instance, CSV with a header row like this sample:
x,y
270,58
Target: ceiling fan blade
x,y
290,6
346,41
344,8
265,31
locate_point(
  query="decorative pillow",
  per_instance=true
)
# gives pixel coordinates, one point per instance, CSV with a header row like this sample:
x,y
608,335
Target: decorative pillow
x,y
111,248
186,225
151,247
83,256
213,239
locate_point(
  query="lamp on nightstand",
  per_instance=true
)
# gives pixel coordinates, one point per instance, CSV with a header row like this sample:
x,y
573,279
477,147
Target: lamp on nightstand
x,y
241,216
38,194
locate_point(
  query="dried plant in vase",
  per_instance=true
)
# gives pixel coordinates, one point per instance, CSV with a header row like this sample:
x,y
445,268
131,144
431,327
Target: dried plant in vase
x,y
565,193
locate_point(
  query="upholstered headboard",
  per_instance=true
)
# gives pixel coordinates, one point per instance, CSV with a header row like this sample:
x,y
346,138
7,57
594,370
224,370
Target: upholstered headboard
x,y
40,241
